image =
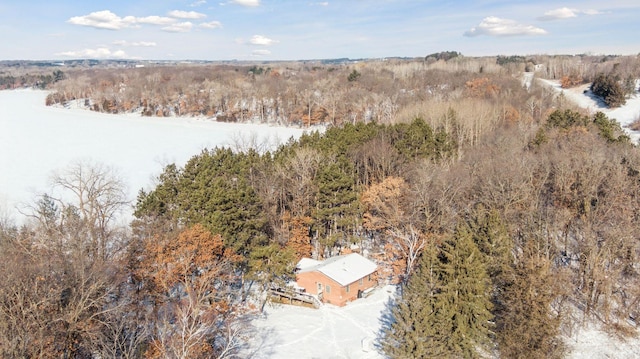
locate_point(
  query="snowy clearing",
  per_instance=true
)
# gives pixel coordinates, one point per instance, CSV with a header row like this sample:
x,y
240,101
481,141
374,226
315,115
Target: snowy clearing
x,y
351,332
328,332
583,97
35,140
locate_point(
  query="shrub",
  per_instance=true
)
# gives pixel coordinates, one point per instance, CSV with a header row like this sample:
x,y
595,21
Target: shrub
x,y
609,89
566,119
354,75
635,125
570,81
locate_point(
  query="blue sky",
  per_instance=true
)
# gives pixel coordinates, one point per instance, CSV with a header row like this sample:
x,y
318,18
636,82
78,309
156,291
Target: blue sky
x,y
297,29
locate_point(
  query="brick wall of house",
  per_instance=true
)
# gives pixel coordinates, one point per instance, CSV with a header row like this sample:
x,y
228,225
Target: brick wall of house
x,y
335,294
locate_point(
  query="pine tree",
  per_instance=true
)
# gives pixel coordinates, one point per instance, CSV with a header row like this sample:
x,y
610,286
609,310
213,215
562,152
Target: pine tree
x,y
491,236
414,332
465,295
445,309
336,204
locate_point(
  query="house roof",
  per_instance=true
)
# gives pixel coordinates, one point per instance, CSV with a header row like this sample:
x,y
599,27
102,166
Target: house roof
x,y
307,263
344,269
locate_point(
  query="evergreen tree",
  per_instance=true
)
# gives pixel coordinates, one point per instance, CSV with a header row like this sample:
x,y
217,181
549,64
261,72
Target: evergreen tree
x,y
415,140
416,331
214,189
465,296
566,119
491,236
445,311
609,128
336,204
608,87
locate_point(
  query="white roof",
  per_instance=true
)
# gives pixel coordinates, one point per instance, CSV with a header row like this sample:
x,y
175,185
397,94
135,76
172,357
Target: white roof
x,y
307,263
344,269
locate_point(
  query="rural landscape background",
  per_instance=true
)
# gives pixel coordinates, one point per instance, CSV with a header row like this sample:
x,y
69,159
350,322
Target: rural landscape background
x,y
491,160
168,165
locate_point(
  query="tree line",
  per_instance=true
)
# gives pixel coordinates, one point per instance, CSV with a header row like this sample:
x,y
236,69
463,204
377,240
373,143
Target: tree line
x,y
285,93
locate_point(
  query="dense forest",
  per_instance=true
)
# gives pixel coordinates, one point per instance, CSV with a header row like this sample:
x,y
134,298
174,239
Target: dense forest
x,y
505,216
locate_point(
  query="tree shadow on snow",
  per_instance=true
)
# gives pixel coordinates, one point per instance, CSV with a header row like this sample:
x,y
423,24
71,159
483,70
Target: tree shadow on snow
x,y
259,343
386,319
597,99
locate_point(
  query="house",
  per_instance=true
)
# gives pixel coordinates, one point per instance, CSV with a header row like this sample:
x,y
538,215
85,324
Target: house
x,y
337,280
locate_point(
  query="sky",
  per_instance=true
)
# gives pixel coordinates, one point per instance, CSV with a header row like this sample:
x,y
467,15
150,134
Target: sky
x,y
305,30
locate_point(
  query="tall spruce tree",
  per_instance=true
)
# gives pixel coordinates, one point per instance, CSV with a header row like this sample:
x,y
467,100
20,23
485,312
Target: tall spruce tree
x,y
492,238
415,331
446,308
465,296
336,204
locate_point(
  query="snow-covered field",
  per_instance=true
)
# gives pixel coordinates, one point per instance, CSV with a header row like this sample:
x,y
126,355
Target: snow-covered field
x,y
36,140
583,97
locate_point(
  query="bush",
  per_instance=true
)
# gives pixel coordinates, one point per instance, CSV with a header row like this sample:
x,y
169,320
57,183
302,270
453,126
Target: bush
x,y
570,81
609,89
635,125
354,75
566,119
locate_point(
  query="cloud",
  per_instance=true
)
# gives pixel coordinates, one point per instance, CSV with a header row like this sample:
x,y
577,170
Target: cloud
x,y
186,14
198,3
324,3
566,13
155,20
249,3
261,52
495,26
135,44
104,19
211,25
99,53
561,13
261,40
592,12
179,27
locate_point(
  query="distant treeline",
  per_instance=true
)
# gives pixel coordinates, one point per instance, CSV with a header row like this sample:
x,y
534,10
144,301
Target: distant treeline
x,y
41,81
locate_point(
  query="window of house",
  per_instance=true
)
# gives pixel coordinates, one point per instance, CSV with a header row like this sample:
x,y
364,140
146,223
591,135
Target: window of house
x,y
327,288
361,281
348,289
369,279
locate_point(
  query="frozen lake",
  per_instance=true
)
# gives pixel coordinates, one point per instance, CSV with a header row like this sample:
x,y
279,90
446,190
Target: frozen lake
x,y
36,140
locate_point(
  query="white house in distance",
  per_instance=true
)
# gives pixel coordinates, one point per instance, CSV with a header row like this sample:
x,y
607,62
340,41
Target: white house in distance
x,y
339,279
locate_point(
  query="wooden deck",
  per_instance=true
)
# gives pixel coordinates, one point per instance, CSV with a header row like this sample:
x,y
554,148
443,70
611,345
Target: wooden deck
x,y
293,297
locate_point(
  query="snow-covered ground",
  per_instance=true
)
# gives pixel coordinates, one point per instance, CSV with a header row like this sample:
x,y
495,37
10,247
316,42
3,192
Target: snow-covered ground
x,y
351,332
328,332
583,97
591,342
36,140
